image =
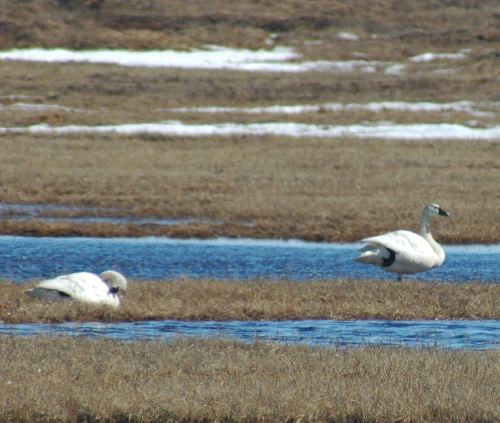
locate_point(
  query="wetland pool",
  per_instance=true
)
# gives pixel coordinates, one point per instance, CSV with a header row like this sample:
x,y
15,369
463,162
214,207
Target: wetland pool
x,y
32,258
157,258
445,334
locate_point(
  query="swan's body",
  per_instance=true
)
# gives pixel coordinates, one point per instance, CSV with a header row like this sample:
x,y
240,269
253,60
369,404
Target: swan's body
x,y
405,252
84,287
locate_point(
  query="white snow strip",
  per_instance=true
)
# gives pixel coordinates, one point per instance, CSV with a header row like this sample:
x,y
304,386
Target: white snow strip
x,y
211,57
15,97
428,57
347,36
382,130
36,107
395,69
375,107
278,59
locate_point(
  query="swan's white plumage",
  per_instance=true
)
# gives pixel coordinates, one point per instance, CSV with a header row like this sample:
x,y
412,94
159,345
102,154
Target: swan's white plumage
x,y
84,287
405,252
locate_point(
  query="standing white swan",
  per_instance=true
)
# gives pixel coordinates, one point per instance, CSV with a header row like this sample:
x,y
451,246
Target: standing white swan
x,y
84,287
405,252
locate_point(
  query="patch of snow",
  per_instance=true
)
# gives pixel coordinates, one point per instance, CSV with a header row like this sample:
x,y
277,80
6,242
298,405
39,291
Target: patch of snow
x,y
347,36
384,130
278,59
428,57
211,57
36,107
396,69
359,55
398,106
15,97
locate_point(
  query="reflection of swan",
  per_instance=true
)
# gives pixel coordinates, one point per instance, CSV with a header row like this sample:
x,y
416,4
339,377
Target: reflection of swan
x,y
83,286
404,252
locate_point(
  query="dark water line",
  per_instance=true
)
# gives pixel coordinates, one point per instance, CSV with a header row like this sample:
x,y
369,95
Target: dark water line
x,y
54,213
114,220
446,334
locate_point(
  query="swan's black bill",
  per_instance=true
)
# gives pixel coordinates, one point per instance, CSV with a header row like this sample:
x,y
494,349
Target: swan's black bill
x,y
443,212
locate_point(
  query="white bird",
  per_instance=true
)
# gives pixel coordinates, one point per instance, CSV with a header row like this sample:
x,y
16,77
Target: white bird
x,y
405,252
84,287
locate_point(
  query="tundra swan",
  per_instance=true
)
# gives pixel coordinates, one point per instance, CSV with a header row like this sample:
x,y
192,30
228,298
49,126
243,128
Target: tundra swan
x,y
405,252
82,286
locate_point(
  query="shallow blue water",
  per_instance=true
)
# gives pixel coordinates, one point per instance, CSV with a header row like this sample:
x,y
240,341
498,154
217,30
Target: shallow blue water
x,y
448,334
44,212
27,258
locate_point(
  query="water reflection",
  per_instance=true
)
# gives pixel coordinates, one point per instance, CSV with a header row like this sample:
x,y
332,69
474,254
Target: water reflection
x,y
448,334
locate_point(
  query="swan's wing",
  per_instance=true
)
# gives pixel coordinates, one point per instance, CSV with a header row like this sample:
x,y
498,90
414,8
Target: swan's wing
x,y
82,286
402,242
412,253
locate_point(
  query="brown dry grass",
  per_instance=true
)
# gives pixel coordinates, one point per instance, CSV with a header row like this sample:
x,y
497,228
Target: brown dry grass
x,y
115,94
386,32
312,189
67,380
167,23
236,300
308,188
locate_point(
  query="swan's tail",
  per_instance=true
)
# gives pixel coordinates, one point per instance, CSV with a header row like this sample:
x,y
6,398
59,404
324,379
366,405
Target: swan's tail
x,y
46,294
371,254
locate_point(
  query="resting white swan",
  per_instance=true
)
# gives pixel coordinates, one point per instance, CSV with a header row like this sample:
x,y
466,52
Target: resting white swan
x,y
82,286
405,252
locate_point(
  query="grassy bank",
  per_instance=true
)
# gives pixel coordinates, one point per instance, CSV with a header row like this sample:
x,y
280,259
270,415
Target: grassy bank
x,y
67,380
228,300
341,190
163,24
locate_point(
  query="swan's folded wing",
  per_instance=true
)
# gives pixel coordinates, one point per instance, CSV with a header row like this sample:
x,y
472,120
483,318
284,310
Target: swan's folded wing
x,y
77,285
401,242
413,253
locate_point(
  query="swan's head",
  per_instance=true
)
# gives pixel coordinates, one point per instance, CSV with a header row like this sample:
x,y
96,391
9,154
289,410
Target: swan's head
x,y
116,281
435,209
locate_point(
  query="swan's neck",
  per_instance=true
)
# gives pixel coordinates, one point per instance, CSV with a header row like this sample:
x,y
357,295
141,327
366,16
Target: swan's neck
x,y
425,231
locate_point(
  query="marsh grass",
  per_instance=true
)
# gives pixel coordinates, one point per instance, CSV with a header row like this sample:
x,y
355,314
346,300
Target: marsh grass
x,y
161,24
310,189
315,189
268,300
335,190
67,380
